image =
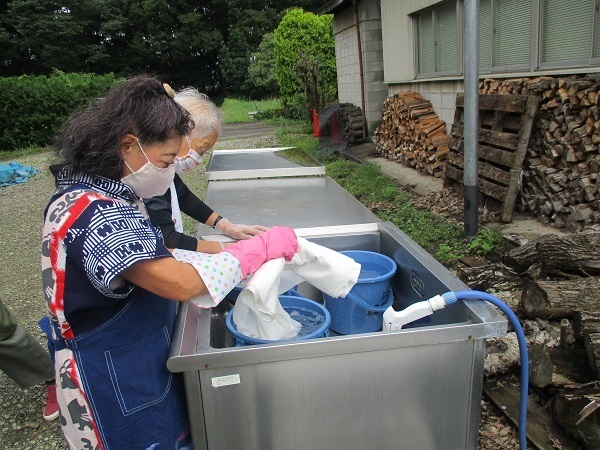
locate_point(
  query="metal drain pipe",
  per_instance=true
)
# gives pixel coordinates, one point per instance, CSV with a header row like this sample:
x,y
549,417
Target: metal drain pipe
x,y
360,68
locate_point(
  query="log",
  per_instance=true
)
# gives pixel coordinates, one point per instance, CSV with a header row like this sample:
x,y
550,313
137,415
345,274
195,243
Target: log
x,y
592,347
558,255
566,137
560,299
542,430
586,321
577,410
556,367
412,133
496,277
571,254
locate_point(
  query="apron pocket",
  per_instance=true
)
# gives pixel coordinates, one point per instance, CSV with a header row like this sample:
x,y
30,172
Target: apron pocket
x,y
139,373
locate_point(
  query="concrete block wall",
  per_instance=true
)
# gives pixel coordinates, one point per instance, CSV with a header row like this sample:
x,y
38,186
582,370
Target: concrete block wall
x,y
348,71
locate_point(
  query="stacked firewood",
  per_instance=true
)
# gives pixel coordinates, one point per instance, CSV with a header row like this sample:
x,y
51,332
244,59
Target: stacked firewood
x,y
353,123
412,134
552,285
561,170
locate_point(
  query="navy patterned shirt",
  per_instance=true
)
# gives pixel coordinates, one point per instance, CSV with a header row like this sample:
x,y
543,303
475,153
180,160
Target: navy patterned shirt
x,y
108,237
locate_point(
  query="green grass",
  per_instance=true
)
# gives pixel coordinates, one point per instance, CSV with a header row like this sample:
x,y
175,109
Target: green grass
x,y
269,111
236,110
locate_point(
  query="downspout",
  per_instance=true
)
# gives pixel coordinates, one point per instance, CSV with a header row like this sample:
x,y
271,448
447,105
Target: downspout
x,y
360,69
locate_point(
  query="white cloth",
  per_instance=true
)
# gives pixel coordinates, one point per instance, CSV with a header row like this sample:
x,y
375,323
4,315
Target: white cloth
x,y
327,270
258,313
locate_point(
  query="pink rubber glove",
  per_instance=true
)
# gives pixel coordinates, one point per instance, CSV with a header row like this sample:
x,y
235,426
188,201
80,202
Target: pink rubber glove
x,y
276,242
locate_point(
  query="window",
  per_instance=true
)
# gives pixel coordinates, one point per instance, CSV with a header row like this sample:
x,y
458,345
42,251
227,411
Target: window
x,y
514,35
504,35
426,44
438,40
567,32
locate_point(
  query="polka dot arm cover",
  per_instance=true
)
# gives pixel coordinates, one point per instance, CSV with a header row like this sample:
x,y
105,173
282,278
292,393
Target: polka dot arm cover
x,y
220,272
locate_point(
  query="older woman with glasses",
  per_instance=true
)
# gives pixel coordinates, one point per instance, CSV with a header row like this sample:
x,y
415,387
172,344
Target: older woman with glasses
x,y
165,210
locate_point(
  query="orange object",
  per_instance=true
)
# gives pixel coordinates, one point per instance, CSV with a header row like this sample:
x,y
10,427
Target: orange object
x,y
315,117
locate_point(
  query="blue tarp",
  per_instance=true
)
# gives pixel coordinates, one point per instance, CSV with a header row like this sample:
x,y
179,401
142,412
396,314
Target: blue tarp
x,y
14,173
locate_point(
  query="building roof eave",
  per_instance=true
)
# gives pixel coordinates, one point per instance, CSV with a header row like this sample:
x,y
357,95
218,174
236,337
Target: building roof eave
x,y
334,6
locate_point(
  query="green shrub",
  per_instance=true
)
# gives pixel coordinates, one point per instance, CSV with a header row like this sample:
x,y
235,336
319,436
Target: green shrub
x,y
305,62
32,108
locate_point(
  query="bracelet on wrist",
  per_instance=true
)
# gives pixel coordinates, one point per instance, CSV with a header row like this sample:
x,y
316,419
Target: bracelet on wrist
x,y
219,217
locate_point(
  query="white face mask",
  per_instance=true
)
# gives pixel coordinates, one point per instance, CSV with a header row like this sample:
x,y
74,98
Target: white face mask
x,y
189,161
149,180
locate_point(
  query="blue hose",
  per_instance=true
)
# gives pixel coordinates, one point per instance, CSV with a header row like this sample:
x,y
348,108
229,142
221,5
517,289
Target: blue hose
x,y
452,297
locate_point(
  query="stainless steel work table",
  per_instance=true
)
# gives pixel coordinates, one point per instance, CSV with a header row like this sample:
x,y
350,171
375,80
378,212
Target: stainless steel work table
x,y
416,388
292,202
262,163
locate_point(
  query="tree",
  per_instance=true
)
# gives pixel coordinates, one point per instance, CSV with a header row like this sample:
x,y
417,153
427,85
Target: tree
x,y
261,75
305,61
39,35
184,43
234,59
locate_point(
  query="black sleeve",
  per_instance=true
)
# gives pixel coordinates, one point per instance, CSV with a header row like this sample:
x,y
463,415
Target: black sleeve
x,y
189,203
159,210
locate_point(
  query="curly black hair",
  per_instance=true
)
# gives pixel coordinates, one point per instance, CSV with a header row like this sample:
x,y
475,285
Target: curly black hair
x,y
89,141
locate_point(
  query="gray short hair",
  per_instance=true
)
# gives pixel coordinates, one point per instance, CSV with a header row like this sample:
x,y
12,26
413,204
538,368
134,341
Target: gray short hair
x,y
205,114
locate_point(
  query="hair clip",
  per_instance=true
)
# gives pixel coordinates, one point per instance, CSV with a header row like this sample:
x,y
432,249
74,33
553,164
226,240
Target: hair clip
x,y
168,90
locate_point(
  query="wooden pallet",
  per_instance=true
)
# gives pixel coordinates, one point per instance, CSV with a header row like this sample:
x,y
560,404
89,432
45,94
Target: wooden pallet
x,y
505,127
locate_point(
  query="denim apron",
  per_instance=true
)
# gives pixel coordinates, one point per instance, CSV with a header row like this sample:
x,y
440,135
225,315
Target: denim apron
x,y
134,401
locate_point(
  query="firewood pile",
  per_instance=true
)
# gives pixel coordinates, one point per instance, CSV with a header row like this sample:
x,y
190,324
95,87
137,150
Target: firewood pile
x,y
412,134
561,170
552,284
353,123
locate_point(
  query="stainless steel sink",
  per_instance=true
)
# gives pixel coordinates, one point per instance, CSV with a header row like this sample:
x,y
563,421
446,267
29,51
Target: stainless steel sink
x,y
417,388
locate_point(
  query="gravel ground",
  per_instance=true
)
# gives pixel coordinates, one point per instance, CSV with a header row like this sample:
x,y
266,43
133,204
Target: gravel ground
x,y
21,210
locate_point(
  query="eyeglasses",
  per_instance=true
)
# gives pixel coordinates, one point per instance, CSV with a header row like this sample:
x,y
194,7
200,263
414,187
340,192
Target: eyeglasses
x,y
200,149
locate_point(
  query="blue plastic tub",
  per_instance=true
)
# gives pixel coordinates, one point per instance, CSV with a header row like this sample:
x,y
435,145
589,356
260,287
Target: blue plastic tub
x,y
315,320
362,309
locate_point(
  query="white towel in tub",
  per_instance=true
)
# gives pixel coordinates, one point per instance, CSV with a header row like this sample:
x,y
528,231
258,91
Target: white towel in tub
x,y
258,312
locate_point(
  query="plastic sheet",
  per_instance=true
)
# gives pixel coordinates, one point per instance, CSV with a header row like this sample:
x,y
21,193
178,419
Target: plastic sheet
x,y
15,173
